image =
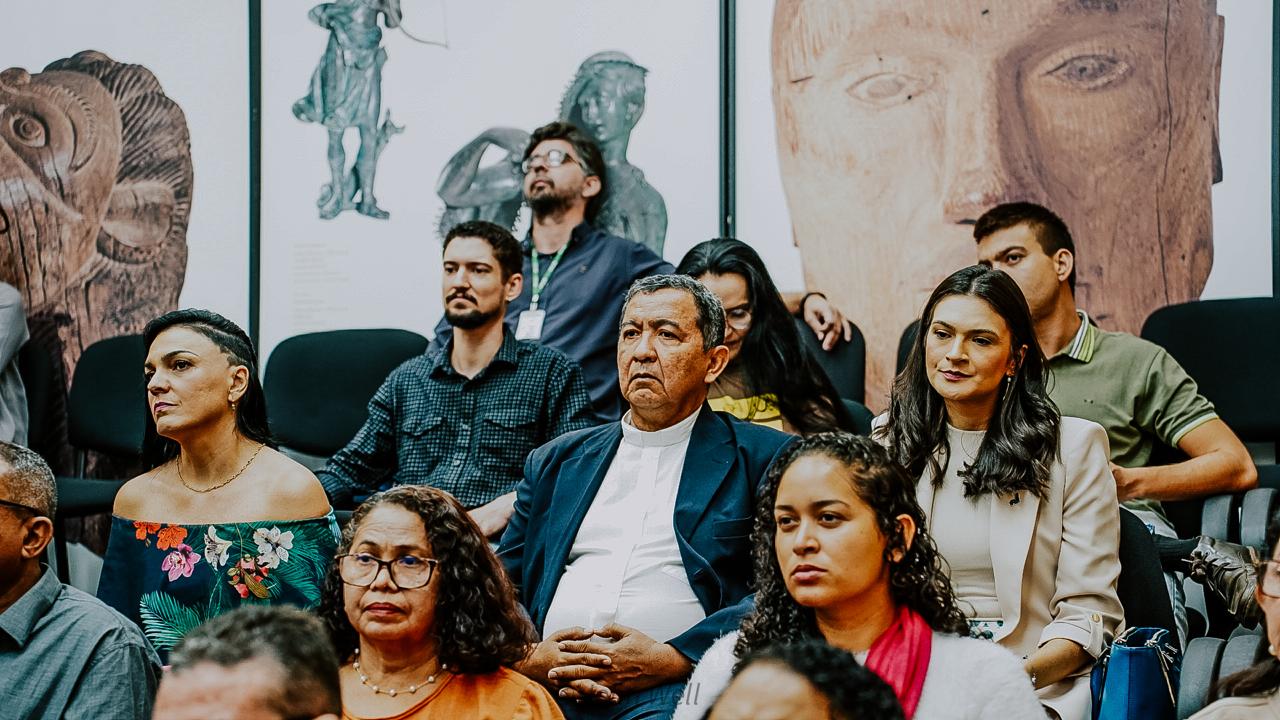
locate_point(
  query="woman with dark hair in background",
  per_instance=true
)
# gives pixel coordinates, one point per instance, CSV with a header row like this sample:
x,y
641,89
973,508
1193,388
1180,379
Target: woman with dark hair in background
x,y
771,378
1021,502
223,519
1254,693
840,554
424,618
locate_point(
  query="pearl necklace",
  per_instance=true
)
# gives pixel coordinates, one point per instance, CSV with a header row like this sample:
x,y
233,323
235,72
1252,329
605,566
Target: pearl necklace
x,y
392,692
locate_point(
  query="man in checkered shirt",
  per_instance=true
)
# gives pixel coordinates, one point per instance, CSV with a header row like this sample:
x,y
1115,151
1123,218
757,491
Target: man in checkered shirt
x,y
463,417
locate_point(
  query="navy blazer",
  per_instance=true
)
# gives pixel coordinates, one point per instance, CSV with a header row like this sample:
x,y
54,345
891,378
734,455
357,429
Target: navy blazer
x,y
715,509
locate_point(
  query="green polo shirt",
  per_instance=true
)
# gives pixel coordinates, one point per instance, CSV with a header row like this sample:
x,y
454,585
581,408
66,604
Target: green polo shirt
x,y
1131,387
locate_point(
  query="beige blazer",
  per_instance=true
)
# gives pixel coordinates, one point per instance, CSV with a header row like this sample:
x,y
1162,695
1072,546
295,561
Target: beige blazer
x,y
1056,559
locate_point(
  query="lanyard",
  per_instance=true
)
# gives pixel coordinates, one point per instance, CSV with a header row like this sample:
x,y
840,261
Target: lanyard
x,y
539,280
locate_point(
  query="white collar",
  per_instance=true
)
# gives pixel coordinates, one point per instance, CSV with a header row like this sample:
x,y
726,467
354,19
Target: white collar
x,y
665,437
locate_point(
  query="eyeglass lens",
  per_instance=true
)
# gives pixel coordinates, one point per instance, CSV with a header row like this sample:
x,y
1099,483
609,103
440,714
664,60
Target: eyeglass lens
x,y
554,158
407,571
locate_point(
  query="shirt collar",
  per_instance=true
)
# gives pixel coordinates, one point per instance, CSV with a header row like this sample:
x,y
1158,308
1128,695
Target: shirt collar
x,y
1085,341
21,617
508,353
665,437
580,234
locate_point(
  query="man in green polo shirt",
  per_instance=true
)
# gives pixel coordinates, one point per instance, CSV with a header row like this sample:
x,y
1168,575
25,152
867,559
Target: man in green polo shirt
x,y
1131,387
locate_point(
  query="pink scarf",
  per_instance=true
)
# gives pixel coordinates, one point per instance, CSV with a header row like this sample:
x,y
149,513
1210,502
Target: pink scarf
x,y
900,656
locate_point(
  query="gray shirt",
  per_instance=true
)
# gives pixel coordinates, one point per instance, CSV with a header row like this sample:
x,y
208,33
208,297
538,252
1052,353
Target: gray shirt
x,y
65,654
13,399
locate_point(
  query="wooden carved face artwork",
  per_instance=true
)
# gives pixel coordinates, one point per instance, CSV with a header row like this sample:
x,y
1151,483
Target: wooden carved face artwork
x,y
95,193
901,121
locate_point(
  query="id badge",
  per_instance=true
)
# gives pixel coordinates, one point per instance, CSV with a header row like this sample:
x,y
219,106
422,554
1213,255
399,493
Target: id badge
x,y
529,327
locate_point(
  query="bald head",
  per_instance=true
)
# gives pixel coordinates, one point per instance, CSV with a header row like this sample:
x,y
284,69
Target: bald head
x,y
25,479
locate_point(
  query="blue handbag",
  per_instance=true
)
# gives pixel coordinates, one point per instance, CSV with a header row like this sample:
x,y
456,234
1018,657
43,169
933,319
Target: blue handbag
x,y
1137,677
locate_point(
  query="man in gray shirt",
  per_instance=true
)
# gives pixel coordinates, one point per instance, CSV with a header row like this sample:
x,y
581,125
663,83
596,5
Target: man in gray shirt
x,y
13,334
63,653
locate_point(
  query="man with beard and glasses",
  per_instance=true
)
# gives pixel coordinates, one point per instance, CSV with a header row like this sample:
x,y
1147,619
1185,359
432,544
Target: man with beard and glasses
x,y
463,416
578,274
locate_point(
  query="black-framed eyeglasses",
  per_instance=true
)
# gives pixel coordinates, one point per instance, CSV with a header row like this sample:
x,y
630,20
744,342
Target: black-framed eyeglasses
x,y
20,506
1269,578
407,571
553,158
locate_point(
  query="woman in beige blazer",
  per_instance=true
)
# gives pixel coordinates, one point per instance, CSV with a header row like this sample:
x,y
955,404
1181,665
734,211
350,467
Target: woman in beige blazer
x,y
1021,502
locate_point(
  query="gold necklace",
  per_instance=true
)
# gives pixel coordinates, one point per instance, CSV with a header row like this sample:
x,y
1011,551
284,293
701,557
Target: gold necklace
x,y
392,692
221,484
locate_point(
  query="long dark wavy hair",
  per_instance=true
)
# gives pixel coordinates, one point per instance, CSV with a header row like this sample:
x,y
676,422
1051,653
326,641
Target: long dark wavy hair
x,y
1263,677
251,409
918,580
773,358
1021,442
478,626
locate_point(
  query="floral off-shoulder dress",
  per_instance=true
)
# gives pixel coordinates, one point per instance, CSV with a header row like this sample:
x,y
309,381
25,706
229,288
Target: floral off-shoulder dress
x,y
170,578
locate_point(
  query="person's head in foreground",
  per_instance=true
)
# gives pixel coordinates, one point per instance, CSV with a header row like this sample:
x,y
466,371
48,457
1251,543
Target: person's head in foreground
x,y
28,500
975,365
839,534
1263,679
417,595
253,663
804,680
764,343
670,348
481,267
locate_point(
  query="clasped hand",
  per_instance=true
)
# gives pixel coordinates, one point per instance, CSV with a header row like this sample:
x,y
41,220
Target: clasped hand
x,y
601,665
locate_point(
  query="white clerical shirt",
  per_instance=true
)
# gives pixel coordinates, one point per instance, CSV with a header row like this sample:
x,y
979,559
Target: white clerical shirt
x,y
624,566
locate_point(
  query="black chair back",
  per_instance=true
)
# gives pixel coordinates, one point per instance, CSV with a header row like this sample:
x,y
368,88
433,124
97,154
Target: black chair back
x,y
107,404
905,342
845,364
1141,585
318,385
1228,347
44,390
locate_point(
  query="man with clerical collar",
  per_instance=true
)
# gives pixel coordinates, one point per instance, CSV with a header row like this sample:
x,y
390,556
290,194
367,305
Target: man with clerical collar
x,y
629,545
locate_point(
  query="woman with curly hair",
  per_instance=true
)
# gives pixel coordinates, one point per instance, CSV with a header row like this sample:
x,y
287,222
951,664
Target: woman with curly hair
x,y
1020,501
424,617
841,555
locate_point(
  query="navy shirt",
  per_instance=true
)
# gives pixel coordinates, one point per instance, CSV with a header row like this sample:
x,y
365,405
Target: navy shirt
x,y
583,304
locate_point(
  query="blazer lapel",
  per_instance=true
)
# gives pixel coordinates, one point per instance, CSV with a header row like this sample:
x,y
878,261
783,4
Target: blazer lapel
x,y
706,465
1013,527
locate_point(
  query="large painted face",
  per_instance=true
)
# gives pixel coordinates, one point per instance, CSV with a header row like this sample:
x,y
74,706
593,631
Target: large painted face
x,y
95,192
901,121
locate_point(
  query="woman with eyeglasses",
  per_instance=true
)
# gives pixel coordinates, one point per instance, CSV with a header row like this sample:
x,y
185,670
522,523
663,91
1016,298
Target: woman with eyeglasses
x,y
1254,693
424,617
771,379
223,519
1020,501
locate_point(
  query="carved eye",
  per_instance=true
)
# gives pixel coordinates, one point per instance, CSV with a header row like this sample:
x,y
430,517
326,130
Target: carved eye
x,y
889,88
1091,72
27,130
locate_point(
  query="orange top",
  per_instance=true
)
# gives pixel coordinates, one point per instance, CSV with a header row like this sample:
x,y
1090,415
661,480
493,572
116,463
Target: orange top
x,y
503,695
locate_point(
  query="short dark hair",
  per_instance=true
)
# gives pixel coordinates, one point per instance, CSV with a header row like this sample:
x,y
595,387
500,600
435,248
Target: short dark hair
x,y
586,148
28,479
479,626
295,640
506,249
251,410
710,311
852,690
1049,229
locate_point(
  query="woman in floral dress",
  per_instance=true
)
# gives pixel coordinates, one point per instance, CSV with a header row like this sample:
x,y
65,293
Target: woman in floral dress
x,y
224,520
